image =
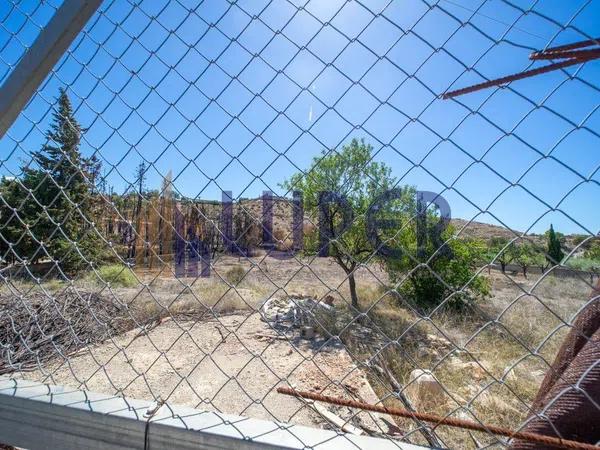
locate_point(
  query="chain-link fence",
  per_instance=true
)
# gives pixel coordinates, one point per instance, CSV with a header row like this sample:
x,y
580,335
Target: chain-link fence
x,y
215,204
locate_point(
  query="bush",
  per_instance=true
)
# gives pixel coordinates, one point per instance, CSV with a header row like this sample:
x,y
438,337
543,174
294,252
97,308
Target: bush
x,y
235,275
118,275
593,251
585,264
431,279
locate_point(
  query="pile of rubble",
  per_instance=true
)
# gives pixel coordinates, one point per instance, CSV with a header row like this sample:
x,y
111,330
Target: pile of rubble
x,y
297,312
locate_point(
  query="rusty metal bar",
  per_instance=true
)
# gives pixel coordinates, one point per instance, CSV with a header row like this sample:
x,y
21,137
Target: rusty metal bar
x,y
580,54
515,77
567,52
439,420
572,46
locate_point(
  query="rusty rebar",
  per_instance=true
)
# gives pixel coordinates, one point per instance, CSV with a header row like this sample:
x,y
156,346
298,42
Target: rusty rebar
x,y
579,54
515,77
439,420
572,46
569,53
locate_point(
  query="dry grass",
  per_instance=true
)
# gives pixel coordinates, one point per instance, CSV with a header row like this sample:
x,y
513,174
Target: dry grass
x,y
486,366
201,297
149,296
499,336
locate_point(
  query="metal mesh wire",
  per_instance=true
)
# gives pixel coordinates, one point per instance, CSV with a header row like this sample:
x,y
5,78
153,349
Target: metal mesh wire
x,y
168,258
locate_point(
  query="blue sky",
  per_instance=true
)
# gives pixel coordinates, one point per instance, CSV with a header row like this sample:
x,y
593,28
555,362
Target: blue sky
x,y
238,96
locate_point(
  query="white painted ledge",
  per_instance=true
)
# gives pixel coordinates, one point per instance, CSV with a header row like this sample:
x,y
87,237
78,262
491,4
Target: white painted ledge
x,y
50,45
41,416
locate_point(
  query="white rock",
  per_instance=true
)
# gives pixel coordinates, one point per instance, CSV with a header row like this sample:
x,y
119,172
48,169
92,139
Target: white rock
x,y
475,370
438,340
426,351
424,390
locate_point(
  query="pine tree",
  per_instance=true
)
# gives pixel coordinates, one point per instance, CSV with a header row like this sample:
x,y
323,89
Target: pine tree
x,y
555,254
60,208
10,227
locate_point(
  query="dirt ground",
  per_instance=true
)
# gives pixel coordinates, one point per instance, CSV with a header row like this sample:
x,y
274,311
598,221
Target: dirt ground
x,y
232,364
207,347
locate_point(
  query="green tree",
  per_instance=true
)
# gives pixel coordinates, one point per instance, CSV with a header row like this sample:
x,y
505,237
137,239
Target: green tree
x,y
539,257
9,224
55,199
560,236
554,253
429,276
525,256
349,174
498,251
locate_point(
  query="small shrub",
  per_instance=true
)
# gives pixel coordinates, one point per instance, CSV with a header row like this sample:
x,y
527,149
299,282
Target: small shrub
x,y
235,275
593,250
230,303
117,275
430,278
585,264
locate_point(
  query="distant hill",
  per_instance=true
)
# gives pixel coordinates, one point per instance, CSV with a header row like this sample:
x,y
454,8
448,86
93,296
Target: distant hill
x,y
483,231
282,210
486,231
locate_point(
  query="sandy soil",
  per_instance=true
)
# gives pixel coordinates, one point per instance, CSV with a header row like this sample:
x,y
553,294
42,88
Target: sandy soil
x,y
232,364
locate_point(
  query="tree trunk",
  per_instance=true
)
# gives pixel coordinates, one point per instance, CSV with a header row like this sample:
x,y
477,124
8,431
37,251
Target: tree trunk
x,y
353,295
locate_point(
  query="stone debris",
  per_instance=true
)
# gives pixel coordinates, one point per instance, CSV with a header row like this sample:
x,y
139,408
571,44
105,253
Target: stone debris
x,y
328,300
424,390
438,341
294,312
474,369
